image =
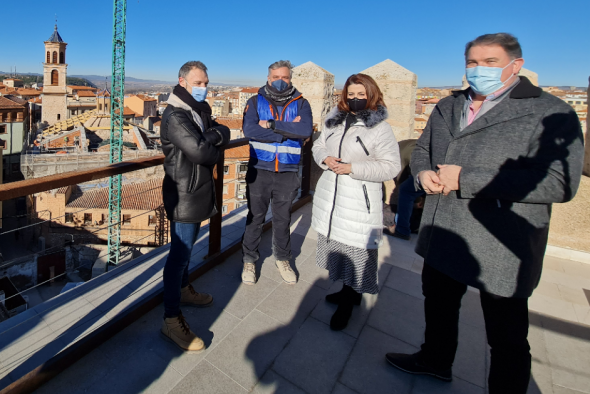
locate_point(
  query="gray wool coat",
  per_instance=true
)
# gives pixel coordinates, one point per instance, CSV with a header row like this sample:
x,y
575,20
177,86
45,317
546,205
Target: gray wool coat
x,y
517,159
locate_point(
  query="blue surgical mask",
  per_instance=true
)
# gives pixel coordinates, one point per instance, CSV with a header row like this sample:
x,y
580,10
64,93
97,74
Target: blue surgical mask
x,y
486,80
199,93
280,85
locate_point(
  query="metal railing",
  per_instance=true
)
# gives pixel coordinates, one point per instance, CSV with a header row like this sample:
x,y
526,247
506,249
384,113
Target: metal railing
x,y
37,185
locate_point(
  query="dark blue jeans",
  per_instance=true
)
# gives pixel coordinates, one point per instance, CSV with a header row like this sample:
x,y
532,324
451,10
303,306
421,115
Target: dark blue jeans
x,y
405,205
184,236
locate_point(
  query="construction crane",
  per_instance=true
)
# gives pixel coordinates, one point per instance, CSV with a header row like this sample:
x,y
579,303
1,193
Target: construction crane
x,y
116,151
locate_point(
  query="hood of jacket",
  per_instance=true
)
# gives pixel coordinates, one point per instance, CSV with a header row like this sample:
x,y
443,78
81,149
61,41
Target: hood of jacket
x,y
370,118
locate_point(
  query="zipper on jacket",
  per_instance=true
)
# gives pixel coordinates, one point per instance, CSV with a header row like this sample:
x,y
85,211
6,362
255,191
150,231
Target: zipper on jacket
x,y
367,201
358,139
329,136
336,184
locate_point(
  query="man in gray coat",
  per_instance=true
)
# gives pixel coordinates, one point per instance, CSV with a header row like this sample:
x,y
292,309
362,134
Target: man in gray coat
x,y
492,159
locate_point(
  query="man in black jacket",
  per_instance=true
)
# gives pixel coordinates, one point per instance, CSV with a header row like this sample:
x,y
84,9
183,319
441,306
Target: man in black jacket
x,y
191,142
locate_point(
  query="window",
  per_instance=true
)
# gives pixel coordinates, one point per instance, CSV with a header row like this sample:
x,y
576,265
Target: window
x,y
62,58
102,218
55,57
2,129
54,77
243,168
126,219
578,102
100,107
151,220
225,189
58,116
2,144
224,209
69,218
226,170
48,57
87,218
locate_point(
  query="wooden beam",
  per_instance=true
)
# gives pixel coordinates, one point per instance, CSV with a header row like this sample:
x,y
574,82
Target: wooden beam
x,y
23,188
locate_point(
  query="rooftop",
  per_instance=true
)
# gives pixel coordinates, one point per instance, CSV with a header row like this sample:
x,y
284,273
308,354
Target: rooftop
x,y
275,338
249,90
232,123
55,37
144,196
11,102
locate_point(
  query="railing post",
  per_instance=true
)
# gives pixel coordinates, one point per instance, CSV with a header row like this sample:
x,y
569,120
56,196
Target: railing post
x,y
215,222
306,169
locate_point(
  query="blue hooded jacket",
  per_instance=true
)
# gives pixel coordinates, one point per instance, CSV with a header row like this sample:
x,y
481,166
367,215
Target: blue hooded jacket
x,y
277,150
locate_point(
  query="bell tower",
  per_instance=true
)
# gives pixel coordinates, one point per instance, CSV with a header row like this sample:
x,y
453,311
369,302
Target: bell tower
x,y
55,106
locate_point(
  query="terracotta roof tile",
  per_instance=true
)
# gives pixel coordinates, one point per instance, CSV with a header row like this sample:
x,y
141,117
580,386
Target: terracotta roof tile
x,y
249,90
144,196
86,93
240,152
8,103
74,87
232,123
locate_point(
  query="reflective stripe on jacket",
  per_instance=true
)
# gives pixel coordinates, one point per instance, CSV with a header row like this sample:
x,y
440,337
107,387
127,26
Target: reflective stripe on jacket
x,y
286,152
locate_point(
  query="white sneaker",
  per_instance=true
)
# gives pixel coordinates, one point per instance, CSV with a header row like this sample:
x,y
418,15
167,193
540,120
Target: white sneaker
x,y
286,272
249,274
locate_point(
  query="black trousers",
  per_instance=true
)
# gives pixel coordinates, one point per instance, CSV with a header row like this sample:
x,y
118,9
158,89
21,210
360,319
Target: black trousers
x,y
507,326
264,187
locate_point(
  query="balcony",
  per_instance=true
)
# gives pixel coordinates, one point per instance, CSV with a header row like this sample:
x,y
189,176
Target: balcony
x,y
102,336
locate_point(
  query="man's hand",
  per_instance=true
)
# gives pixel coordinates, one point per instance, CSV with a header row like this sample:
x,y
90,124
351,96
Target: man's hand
x,y
297,119
331,162
263,123
449,177
430,182
342,168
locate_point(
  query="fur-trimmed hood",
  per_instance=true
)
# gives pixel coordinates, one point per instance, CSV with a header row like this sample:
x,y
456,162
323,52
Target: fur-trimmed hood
x,y
370,118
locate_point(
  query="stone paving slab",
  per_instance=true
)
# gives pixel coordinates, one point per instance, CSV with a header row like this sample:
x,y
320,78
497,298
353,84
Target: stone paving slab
x,y
275,338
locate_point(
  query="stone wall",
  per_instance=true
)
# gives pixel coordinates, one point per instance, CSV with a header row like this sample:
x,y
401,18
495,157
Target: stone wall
x,y
317,86
570,222
399,92
54,104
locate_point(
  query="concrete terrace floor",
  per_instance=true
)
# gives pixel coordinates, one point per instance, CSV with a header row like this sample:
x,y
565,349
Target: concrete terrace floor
x,y
275,338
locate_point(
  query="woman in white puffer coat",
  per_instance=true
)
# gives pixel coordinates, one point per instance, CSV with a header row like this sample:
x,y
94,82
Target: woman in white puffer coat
x,y
357,151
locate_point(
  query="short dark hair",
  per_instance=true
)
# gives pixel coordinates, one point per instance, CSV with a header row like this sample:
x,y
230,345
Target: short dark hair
x,y
505,40
188,66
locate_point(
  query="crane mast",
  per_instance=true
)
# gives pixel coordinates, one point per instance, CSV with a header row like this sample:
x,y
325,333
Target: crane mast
x,y
116,142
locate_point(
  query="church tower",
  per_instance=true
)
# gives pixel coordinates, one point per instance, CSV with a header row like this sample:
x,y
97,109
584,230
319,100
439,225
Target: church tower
x,y
55,107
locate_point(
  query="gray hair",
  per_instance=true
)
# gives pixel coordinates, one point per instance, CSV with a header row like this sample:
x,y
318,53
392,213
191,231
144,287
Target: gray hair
x,y
188,66
281,64
505,40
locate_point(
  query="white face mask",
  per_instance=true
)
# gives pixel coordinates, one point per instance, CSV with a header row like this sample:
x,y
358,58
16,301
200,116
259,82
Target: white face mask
x,y
199,93
486,80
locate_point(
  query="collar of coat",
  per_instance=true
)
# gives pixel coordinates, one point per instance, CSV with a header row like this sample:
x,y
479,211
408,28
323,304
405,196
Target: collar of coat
x,y
175,101
525,89
370,118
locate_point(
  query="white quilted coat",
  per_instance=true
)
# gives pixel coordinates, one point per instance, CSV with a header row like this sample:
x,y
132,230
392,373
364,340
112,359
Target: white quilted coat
x,y
348,208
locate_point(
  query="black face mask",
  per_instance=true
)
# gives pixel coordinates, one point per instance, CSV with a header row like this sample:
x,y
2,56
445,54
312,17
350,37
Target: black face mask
x,y
356,104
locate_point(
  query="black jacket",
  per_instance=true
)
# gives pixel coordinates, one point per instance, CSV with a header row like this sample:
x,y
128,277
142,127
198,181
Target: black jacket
x,y
188,189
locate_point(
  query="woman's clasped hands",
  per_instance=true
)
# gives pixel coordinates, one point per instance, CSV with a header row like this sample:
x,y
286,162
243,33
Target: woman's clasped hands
x,y
335,164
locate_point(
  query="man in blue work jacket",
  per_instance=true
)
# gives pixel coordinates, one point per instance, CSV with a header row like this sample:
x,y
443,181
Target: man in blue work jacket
x,y
277,121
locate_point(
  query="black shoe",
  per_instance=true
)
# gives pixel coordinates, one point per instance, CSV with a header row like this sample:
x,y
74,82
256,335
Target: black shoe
x,y
411,363
401,236
335,298
340,318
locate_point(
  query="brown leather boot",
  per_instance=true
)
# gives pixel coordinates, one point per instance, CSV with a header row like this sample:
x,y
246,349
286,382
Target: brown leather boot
x,y
176,329
189,297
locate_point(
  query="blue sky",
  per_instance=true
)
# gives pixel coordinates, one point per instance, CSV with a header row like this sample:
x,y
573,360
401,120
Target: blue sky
x,y
237,40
